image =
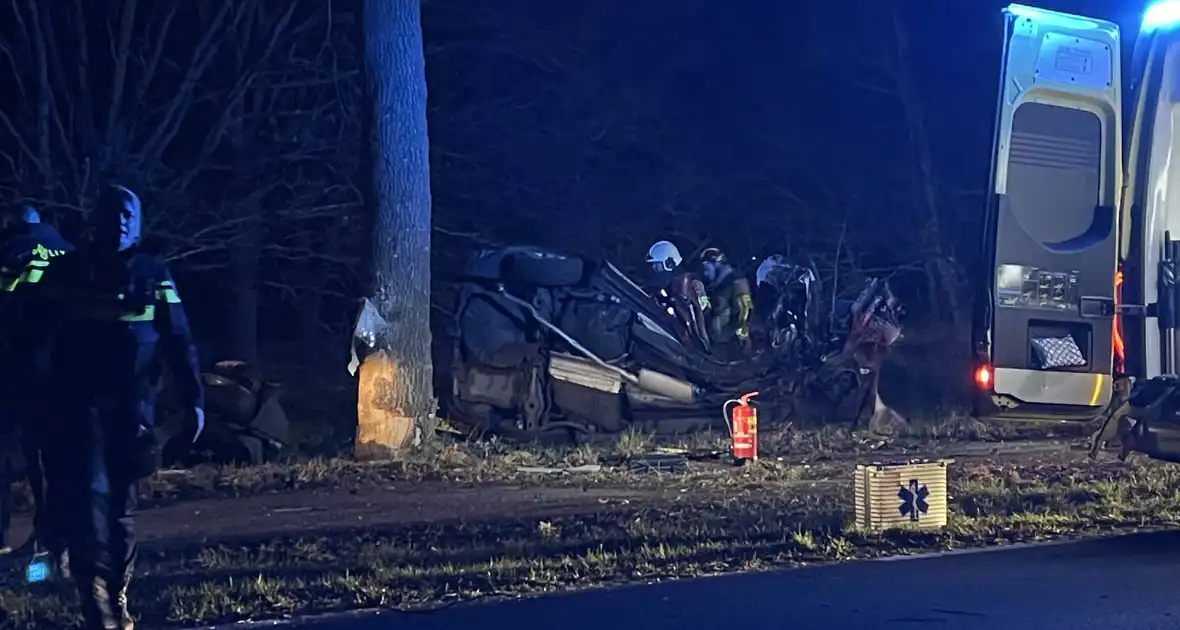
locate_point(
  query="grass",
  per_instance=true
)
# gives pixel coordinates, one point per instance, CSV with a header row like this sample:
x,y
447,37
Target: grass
x,y
761,526
791,509
491,461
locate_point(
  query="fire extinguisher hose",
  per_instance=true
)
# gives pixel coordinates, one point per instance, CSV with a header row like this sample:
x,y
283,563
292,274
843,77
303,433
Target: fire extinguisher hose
x,y
725,414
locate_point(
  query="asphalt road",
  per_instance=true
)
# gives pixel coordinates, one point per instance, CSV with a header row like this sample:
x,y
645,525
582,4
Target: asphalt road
x,y
1127,583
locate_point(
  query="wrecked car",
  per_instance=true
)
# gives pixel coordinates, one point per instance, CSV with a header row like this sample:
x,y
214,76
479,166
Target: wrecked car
x,y
552,345
245,423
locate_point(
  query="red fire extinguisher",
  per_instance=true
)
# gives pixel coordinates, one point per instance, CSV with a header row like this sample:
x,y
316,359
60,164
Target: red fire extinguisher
x,y
743,427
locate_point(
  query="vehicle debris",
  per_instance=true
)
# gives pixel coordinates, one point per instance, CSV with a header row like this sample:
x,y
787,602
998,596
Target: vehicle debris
x,y
245,421
562,470
548,344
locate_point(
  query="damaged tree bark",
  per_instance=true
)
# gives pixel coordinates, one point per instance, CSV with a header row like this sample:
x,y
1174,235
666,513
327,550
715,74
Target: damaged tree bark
x,y
395,399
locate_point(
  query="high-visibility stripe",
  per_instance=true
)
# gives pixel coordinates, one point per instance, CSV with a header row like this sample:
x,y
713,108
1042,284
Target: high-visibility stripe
x,y
98,307
33,270
10,279
82,305
166,292
147,315
113,312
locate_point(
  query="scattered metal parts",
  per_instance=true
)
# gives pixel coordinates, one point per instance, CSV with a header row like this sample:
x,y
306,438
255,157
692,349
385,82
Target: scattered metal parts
x,y
587,468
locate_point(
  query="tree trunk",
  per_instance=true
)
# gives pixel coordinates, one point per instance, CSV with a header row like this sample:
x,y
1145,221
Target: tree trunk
x,y
395,393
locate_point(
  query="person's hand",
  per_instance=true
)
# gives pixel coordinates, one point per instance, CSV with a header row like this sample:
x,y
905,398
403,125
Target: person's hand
x,y
743,335
198,422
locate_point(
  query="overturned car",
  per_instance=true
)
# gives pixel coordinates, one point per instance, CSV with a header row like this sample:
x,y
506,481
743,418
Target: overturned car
x,y
551,345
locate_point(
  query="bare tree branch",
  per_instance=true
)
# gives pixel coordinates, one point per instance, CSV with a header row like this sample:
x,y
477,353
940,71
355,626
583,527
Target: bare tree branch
x,y
153,60
122,56
202,57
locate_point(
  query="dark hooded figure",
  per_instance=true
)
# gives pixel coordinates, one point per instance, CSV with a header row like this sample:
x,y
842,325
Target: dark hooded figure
x,y
26,248
114,306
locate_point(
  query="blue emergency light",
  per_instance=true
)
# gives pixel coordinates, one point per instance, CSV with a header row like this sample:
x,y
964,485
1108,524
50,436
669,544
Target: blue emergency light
x,y
38,569
1161,15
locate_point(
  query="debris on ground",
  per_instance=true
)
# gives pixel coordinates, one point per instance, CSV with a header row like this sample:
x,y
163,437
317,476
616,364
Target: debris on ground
x,y
586,468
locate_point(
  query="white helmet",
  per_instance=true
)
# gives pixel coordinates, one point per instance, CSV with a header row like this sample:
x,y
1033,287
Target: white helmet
x,y
663,256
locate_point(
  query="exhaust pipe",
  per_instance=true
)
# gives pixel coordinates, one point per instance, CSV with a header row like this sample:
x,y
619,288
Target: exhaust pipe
x,y
667,386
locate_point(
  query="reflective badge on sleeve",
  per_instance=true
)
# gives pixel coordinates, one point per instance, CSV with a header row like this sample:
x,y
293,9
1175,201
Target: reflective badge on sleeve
x,y
44,253
34,270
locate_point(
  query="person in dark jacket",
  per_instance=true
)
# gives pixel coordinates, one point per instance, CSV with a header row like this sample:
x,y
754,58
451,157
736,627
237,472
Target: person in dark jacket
x,y
26,248
114,306
731,300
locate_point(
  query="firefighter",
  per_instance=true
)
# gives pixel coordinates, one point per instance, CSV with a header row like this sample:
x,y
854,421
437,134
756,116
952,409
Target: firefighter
x,y
664,259
113,305
730,299
681,291
26,249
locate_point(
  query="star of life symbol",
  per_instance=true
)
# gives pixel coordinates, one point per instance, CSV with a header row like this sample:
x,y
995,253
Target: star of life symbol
x,y
913,500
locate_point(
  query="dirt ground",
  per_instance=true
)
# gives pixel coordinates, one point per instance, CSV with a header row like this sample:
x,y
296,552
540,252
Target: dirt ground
x,y
321,510
335,535
314,511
